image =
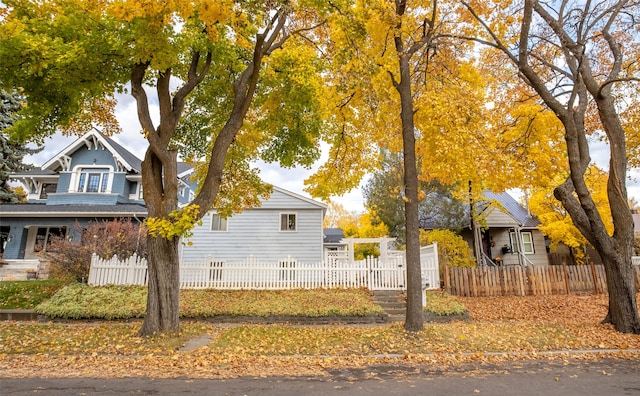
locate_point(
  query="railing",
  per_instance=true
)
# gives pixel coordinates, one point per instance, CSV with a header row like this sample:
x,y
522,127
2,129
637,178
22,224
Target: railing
x,y
523,260
372,273
486,260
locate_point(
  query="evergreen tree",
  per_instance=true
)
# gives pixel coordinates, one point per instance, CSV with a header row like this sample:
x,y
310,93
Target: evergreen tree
x,y
437,208
11,153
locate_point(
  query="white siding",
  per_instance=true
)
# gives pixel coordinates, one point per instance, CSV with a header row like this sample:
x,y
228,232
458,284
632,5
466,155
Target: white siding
x,y
497,218
540,251
256,233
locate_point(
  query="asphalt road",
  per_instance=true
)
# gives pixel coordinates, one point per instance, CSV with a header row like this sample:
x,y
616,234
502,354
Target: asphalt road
x,y
607,377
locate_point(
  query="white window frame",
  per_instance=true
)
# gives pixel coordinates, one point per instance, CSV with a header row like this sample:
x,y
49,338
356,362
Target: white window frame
x,y
286,227
220,221
88,170
526,238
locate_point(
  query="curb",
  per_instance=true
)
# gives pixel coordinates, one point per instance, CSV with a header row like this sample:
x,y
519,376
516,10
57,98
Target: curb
x,y
31,315
18,314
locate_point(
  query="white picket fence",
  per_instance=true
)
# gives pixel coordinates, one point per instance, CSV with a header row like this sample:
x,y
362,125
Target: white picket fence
x,y
372,273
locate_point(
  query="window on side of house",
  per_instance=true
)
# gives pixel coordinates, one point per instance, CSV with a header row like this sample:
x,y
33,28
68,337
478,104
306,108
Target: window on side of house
x,y
219,223
288,221
527,242
48,188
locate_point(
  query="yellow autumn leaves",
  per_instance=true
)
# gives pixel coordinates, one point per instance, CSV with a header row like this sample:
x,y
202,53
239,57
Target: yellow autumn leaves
x,y
178,224
502,328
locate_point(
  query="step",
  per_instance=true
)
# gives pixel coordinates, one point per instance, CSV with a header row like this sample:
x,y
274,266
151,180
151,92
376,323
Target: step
x,y
393,302
396,318
389,305
15,274
393,293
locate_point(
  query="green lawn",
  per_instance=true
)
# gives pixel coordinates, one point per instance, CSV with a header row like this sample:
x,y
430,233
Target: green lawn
x,y
27,294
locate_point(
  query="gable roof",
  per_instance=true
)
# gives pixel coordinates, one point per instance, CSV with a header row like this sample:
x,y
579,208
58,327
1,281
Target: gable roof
x,y
333,235
94,138
135,162
301,197
511,207
35,172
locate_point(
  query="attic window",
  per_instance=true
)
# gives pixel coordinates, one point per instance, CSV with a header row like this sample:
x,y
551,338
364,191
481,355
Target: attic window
x,y
93,180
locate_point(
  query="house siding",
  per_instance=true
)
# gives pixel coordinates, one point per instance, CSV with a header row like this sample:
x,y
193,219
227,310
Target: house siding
x,y
63,182
100,156
498,218
19,229
497,224
501,238
256,232
85,199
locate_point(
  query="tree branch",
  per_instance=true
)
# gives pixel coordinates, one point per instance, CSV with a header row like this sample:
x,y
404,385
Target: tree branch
x,y
193,80
137,91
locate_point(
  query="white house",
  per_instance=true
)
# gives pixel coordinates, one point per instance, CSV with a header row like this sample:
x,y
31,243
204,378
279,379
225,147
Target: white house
x,y
285,225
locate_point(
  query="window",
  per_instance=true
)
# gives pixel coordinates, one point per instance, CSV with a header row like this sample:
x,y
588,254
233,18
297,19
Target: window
x,y
47,188
219,223
44,236
93,180
526,240
288,222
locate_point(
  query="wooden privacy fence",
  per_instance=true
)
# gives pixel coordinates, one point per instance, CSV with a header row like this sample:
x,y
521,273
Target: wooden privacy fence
x,y
530,280
372,273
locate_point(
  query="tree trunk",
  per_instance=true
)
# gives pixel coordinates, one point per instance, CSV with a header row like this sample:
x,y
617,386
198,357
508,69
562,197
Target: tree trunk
x,y
159,181
414,320
623,307
163,300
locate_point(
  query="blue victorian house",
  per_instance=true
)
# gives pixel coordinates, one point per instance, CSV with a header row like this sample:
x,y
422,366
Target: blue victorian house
x,y
92,179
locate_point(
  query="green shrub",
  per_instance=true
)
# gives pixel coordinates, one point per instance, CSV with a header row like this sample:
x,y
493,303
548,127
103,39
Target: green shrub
x,y
311,303
79,301
453,250
443,304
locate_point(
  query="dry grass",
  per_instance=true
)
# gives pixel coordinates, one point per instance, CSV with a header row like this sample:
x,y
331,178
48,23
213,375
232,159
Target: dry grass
x,y
558,309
